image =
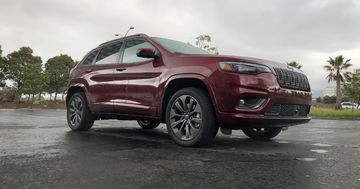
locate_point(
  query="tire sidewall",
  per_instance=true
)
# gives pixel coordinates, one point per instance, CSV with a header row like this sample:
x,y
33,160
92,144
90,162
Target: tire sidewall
x,y
85,109
207,115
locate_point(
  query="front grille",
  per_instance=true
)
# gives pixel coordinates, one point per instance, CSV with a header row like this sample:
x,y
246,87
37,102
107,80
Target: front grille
x,y
292,80
288,110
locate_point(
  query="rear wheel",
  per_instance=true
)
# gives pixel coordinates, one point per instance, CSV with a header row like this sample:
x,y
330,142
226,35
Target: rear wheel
x,y
262,133
79,116
190,118
148,123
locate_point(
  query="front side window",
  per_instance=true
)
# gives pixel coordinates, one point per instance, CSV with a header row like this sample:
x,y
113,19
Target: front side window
x,y
109,54
90,58
130,50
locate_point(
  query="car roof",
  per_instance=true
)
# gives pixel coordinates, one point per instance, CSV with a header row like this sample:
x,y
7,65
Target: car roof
x,y
123,38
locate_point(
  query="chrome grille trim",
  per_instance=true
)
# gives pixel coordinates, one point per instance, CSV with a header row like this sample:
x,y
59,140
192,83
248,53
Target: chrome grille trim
x,y
292,80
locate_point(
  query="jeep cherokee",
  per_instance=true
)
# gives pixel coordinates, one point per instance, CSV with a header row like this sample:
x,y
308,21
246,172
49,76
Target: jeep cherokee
x,y
155,80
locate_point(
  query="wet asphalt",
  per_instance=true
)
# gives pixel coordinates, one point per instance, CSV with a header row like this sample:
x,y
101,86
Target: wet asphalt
x,y
38,150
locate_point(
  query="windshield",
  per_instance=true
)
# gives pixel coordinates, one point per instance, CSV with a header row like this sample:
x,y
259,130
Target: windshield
x,y
179,47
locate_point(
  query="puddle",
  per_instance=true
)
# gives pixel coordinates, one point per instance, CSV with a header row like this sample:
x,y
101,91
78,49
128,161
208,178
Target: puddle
x,y
320,151
282,142
305,159
321,145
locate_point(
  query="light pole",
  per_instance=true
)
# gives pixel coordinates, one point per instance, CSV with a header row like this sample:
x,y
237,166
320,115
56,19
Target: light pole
x,y
131,28
117,34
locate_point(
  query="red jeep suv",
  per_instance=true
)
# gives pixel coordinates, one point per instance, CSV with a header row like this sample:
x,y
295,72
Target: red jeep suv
x,y
155,80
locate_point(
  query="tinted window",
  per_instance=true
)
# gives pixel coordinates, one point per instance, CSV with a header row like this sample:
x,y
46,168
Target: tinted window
x,y
90,58
131,49
109,54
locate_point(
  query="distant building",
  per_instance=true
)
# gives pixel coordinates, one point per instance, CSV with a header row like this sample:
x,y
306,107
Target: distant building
x,y
330,91
357,71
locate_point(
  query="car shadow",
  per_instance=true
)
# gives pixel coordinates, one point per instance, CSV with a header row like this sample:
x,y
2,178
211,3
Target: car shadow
x,y
130,136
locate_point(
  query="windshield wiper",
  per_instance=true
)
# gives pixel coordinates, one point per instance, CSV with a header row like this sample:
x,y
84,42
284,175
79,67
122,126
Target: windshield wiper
x,y
178,52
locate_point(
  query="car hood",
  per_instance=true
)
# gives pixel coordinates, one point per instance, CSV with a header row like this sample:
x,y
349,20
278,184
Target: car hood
x,y
269,63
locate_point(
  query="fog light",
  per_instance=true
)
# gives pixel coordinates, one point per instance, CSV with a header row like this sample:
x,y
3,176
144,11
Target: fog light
x,y
250,101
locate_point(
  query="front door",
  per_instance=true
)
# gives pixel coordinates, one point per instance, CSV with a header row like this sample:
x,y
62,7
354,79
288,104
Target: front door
x,y
143,76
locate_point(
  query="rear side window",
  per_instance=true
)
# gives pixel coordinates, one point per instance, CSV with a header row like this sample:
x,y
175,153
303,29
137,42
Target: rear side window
x,y
131,49
109,54
90,58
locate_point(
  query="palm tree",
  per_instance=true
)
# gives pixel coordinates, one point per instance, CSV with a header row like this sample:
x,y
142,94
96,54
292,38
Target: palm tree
x,y
294,64
337,72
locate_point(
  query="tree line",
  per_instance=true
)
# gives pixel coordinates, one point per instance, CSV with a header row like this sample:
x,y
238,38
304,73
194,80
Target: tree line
x,y
31,77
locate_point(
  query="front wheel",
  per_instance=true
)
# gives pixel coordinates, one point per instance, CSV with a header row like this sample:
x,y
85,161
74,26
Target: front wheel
x,y
190,118
262,133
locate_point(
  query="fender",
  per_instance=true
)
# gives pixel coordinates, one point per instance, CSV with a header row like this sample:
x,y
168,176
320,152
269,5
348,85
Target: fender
x,y
187,76
82,84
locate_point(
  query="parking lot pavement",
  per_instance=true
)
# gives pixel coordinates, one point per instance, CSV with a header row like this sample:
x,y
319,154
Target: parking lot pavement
x,y
38,150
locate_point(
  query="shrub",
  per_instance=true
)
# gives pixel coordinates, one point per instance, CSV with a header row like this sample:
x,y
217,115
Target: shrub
x,y
318,99
7,94
329,99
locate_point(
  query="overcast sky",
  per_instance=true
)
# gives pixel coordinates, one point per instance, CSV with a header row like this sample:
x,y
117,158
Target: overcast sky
x,y
307,31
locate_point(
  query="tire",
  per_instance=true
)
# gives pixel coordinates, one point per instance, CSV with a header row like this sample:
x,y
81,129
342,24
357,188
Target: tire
x,y
79,116
148,124
262,133
192,125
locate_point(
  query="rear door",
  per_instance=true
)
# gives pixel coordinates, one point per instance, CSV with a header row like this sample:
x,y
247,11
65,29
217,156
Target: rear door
x,y
100,78
143,76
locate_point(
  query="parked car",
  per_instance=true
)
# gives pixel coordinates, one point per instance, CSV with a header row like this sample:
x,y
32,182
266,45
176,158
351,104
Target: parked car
x,y
155,80
349,105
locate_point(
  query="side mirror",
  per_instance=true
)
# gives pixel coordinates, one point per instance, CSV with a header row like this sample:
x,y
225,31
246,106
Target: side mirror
x,y
147,53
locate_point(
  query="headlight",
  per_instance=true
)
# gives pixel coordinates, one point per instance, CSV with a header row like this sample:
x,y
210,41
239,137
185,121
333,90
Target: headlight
x,y
245,68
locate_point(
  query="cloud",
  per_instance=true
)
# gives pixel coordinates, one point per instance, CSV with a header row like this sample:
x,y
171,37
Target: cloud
x,y
307,31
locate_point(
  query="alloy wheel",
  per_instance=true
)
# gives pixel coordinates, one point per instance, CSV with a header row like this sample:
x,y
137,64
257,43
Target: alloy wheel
x,y
186,117
144,121
76,111
259,130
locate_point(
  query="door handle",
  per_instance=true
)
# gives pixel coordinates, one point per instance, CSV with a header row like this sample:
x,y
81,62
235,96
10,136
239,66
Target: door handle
x,y
88,71
120,69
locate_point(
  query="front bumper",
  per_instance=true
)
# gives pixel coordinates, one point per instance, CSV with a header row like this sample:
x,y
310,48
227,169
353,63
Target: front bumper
x,y
239,121
230,87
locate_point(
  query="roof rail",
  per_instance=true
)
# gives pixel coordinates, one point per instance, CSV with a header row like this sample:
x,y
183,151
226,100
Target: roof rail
x,y
129,36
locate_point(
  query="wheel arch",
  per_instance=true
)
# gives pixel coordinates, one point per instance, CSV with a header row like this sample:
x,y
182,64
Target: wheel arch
x,y
178,82
74,89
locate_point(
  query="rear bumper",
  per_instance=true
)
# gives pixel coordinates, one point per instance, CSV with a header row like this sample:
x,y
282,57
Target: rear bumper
x,y
239,121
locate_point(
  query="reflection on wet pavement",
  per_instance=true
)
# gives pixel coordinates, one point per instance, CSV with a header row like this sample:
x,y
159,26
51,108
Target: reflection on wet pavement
x,y
321,145
306,159
320,151
282,142
38,150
